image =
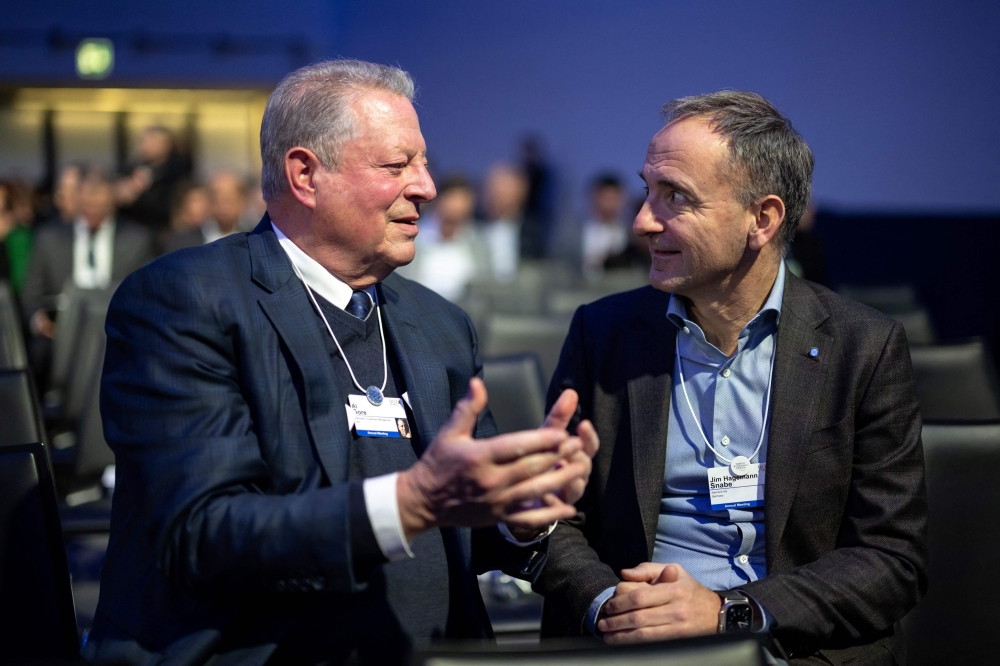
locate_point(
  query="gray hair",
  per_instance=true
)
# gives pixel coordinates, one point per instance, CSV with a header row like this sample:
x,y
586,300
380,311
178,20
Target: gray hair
x,y
766,155
311,108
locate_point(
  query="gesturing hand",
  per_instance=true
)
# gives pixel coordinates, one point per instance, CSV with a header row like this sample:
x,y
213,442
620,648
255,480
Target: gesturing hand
x,y
464,481
559,417
657,602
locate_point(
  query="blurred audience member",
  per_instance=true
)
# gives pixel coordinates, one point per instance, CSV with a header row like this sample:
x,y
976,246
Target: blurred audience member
x,y
190,216
146,194
253,208
66,198
605,234
538,215
17,217
636,253
805,257
449,250
505,192
94,251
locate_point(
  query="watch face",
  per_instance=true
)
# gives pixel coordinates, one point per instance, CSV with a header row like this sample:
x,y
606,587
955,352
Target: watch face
x,y
739,618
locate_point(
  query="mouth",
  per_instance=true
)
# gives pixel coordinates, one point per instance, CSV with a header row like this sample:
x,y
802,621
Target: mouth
x,y
663,254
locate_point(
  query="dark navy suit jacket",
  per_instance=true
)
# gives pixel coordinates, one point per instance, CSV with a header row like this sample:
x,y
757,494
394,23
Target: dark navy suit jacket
x,y
234,521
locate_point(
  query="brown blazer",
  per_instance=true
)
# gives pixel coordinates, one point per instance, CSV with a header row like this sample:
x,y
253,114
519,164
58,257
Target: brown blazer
x,y
845,504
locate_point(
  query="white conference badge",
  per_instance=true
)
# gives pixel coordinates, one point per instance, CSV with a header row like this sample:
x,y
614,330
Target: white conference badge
x,y
730,491
385,420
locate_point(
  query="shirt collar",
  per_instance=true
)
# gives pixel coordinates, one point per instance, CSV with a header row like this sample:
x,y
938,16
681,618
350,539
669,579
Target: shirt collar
x,y
81,227
678,315
320,280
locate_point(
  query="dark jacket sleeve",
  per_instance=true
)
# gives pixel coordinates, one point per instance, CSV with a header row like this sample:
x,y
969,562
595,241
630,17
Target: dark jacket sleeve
x,y
191,477
574,574
877,570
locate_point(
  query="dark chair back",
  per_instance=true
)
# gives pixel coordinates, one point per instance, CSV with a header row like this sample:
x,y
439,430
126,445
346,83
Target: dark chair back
x,y
516,393
22,417
71,342
953,625
89,353
92,451
956,382
13,355
37,616
519,334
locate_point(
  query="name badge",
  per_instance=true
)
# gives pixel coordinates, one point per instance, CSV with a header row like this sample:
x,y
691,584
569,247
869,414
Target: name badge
x,y
728,491
385,420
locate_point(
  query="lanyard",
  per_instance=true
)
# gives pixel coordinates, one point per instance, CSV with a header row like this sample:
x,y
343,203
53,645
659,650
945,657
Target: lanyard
x,y
767,404
373,393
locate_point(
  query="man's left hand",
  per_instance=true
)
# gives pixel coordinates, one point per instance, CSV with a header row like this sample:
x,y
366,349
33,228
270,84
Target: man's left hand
x,y
658,602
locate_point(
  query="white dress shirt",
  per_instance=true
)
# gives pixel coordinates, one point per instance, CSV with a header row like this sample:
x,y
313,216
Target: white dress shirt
x,y
93,254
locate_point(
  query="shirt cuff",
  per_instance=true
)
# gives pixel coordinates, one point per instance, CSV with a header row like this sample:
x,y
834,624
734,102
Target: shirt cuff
x,y
590,622
510,537
383,513
767,620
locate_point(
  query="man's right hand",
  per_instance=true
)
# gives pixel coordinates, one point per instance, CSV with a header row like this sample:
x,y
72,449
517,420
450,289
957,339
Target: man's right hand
x,y
479,482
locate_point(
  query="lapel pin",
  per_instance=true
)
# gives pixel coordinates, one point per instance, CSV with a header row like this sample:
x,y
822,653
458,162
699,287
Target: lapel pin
x,y
814,352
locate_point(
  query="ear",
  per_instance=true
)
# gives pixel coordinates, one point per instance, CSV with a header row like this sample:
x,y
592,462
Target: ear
x,y
301,168
770,213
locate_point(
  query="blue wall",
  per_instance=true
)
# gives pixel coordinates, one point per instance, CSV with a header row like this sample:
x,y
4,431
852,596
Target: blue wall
x,y
897,99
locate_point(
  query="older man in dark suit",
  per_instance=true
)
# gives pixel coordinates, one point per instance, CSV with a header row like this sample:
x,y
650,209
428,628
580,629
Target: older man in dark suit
x,y
269,507
761,465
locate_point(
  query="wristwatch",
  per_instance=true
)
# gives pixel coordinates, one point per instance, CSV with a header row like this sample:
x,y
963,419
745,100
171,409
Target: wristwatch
x,y
736,615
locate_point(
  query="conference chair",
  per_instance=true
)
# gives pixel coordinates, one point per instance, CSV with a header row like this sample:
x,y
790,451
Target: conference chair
x,y
517,395
890,299
716,650
917,325
953,623
72,346
13,354
37,617
956,382
517,334
21,415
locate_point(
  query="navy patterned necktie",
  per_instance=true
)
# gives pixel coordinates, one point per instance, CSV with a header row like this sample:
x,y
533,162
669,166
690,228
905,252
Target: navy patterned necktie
x,y
360,305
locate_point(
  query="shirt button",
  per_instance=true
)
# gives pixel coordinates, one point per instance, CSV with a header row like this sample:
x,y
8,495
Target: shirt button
x,y
687,330
744,559
726,372
725,441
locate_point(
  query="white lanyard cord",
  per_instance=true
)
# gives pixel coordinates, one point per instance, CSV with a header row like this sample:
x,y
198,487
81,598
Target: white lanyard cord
x,y
385,362
767,403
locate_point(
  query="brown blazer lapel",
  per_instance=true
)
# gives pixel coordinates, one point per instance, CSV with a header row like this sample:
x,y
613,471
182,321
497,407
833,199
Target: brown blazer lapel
x,y
798,381
650,369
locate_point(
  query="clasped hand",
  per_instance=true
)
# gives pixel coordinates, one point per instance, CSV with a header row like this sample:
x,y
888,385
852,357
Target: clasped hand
x,y
658,602
527,479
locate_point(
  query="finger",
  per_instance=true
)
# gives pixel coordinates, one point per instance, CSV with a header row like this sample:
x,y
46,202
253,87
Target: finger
x,y
510,447
587,433
645,597
537,486
554,509
670,574
466,413
562,411
647,617
523,468
647,572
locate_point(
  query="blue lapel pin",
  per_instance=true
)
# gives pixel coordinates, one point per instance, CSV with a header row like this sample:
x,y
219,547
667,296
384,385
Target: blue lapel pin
x,y
814,352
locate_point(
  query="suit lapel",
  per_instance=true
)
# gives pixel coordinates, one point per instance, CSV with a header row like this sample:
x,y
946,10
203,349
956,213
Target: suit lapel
x,y
650,378
425,377
288,308
798,381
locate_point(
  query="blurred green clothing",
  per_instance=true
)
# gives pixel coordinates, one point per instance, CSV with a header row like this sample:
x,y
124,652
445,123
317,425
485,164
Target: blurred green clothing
x,y
18,244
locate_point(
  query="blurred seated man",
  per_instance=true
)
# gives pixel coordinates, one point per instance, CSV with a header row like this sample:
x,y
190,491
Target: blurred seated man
x,y
504,192
449,251
761,466
191,210
269,506
147,193
96,250
205,215
66,197
605,234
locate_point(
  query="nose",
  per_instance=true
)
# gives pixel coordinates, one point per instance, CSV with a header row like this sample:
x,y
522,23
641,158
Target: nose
x,y
422,189
645,223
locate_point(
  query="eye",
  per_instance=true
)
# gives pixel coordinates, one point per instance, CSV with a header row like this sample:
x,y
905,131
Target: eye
x,y
398,165
677,197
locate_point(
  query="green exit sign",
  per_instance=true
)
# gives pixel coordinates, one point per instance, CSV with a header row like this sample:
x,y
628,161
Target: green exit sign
x,y
95,58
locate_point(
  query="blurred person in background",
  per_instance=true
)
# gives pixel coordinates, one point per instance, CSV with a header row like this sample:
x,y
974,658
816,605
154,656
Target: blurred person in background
x,y
66,197
16,232
504,192
538,205
254,206
97,250
806,257
636,255
449,250
190,215
605,234
214,214
147,193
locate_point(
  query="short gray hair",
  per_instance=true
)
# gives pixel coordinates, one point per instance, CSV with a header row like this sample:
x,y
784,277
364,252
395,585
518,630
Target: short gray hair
x,y
311,108
766,155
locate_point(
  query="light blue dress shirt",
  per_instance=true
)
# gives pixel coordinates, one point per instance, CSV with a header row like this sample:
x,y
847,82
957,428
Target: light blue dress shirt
x,y
721,549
